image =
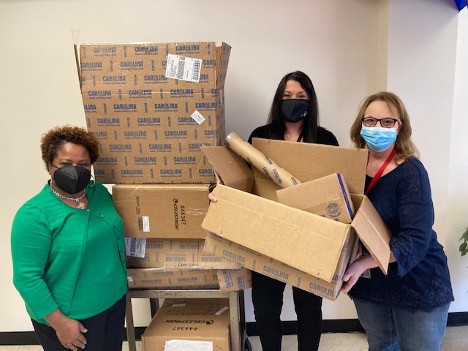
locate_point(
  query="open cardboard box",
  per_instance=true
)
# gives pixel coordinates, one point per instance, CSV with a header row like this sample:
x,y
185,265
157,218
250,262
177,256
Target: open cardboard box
x,y
304,241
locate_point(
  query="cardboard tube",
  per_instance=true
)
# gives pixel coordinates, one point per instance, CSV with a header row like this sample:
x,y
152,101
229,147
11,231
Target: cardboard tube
x,y
268,167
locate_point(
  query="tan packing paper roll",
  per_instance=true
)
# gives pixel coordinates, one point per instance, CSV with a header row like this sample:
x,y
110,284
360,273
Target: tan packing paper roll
x,y
277,174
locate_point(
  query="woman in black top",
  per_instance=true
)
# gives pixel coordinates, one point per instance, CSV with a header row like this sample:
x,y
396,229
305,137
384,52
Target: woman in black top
x,y
293,117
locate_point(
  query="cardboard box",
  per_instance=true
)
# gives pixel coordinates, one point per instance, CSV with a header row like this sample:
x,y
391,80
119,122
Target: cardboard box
x,y
173,253
188,324
327,197
304,241
162,211
172,278
274,269
226,280
234,279
110,66
150,126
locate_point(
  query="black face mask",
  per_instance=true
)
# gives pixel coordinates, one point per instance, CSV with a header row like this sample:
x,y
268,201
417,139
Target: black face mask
x,y
72,179
294,110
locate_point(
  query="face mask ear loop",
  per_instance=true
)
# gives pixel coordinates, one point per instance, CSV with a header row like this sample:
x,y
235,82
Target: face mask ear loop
x,y
51,181
92,181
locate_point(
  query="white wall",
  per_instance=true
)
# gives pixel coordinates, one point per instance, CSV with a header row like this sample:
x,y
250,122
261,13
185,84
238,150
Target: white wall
x,y
427,55
421,62
457,204
342,45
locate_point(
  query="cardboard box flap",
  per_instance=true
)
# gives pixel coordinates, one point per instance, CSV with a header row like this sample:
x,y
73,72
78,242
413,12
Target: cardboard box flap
x,y
231,168
222,52
327,196
302,240
316,161
372,232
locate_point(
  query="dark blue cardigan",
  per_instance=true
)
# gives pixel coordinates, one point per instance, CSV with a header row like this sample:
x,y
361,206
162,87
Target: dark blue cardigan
x,y
419,279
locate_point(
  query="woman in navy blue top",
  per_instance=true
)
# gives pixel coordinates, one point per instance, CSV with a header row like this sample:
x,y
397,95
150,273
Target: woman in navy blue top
x,y
407,308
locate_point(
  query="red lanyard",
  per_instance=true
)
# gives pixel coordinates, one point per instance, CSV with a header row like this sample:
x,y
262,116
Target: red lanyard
x,y
380,171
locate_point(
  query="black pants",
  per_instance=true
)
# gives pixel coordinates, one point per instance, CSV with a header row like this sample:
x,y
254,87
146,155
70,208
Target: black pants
x,y
267,298
106,331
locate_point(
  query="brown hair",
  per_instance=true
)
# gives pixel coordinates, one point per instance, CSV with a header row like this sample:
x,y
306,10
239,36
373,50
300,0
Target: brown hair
x,y
404,146
54,138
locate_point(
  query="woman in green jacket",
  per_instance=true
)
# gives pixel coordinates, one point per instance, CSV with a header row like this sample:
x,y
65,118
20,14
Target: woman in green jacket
x,y
68,251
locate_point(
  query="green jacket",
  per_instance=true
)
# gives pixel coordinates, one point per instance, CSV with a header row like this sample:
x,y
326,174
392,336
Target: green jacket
x,y
49,241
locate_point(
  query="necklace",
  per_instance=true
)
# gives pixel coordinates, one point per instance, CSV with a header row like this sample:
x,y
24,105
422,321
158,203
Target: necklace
x,y
79,204
292,137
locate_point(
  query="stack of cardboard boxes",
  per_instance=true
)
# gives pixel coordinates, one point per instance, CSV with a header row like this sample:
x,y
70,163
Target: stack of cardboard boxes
x,y
152,107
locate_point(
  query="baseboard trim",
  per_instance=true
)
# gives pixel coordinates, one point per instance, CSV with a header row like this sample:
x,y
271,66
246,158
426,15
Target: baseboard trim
x,y
455,319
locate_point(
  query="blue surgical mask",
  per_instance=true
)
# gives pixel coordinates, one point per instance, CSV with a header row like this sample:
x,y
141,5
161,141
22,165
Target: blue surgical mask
x,y
377,138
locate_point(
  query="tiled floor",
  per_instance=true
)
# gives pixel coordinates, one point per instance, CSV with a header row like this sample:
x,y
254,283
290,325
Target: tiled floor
x,y
456,339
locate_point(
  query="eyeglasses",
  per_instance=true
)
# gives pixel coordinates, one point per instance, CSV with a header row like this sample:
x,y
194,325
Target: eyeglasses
x,y
384,122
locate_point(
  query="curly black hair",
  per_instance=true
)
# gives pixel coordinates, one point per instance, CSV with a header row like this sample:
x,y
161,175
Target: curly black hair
x,y
54,138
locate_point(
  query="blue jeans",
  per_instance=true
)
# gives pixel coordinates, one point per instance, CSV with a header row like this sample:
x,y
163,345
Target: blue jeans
x,y
397,329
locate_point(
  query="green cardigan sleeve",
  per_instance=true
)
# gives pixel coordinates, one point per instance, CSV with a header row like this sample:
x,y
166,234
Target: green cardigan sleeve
x,y
30,245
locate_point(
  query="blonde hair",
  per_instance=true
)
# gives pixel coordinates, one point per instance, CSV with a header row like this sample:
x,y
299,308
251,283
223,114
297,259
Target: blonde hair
x,y
404,145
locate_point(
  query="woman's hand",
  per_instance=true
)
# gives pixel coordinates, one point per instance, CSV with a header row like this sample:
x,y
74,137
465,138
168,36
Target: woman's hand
x,y
212,198
355,270
69,331
71,335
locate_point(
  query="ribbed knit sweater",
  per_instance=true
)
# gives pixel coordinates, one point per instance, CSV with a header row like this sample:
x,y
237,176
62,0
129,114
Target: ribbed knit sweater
x,y
68,258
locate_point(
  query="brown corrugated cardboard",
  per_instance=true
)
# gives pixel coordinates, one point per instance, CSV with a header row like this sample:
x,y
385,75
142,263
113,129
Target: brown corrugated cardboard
x,y
312,161
150,127
280,271
189,278
327,197
184,324
175,253
231,168
155,139
302,240
262,163
172,278
111,66
234,279
162,211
